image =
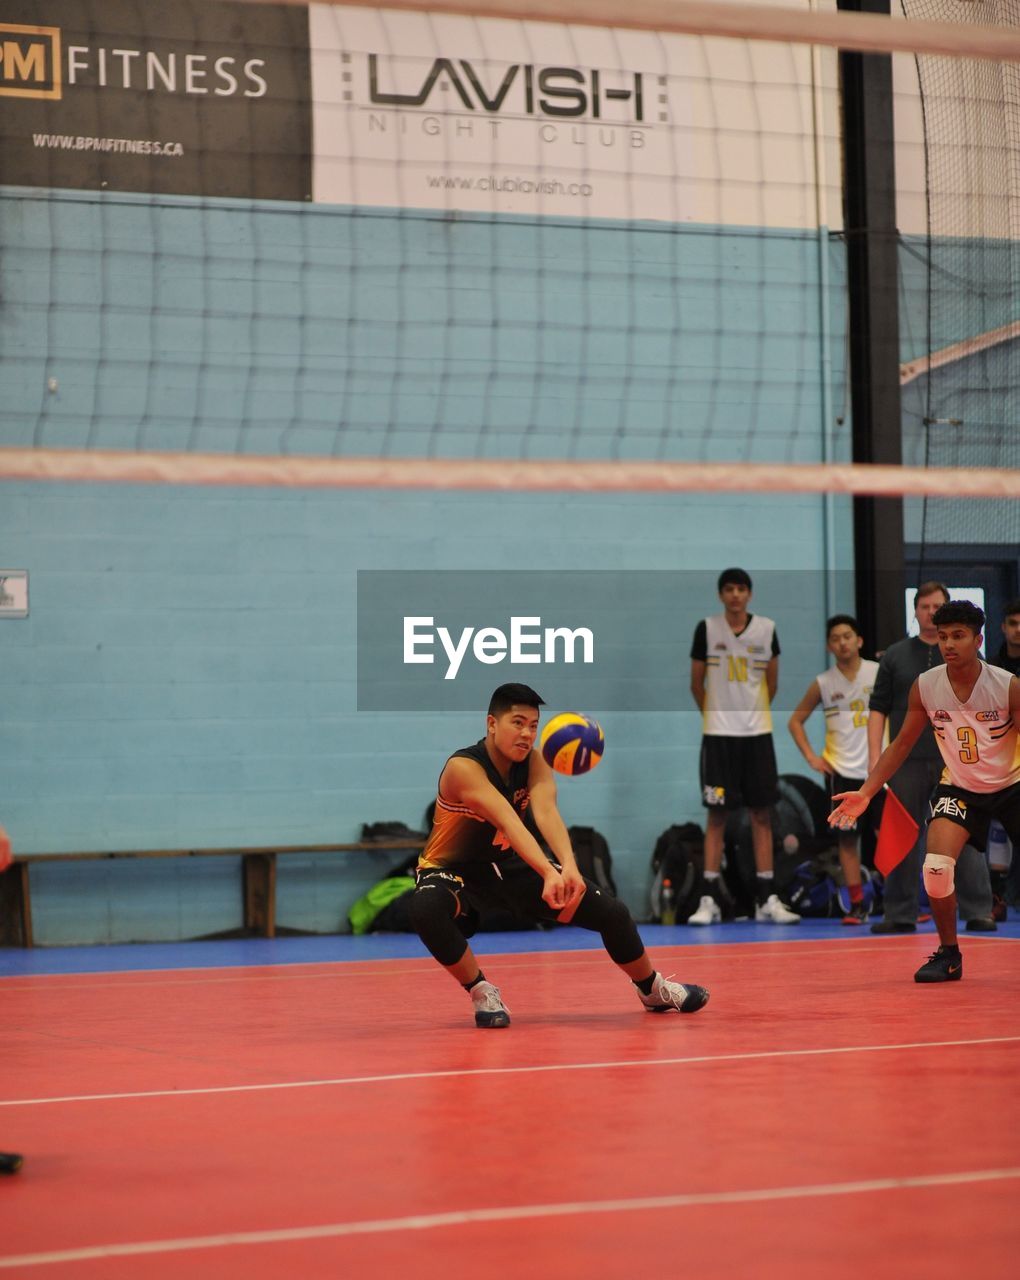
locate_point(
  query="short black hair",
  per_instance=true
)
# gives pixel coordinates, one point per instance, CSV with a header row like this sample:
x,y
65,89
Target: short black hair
x,y
962,612
842,620
929,589
1012,606
739,576
508,695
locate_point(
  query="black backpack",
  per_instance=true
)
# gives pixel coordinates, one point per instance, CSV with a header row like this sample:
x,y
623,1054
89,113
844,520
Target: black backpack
x,y
386,831
678,856
594,860
811,887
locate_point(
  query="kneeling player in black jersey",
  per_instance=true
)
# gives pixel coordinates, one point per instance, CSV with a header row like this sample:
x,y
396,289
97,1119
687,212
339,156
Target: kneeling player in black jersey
x,y
483,853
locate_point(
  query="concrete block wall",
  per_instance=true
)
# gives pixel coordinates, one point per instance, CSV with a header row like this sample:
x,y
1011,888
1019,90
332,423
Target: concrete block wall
x,y
187,672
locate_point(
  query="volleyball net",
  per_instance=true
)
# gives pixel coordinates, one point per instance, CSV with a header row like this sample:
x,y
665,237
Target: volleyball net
x,y
963,408
498,245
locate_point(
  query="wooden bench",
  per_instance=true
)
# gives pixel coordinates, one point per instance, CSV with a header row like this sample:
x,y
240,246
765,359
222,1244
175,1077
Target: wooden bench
x,y
258,880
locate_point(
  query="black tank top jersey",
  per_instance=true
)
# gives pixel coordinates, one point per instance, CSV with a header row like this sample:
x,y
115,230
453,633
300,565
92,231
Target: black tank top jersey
x,y
461,837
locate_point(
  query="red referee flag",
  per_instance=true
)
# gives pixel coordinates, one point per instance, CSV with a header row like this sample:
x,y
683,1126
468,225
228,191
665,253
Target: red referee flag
x,y
897,834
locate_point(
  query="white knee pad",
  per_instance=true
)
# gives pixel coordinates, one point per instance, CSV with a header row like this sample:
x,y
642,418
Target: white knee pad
x,y
939,875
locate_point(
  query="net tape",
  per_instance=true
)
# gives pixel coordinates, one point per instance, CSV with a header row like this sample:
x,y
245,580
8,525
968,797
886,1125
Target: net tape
x,y
111,466
861,33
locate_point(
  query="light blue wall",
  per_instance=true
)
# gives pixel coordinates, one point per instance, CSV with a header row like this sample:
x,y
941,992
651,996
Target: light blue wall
x,y
187,673
168,324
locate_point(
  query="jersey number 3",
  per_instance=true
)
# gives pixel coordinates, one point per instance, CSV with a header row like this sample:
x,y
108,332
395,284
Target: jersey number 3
x,y
968,745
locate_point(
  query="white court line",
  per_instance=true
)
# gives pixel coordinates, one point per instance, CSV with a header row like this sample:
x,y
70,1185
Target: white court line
x,y
845,941
508,1071
508,1213
506,959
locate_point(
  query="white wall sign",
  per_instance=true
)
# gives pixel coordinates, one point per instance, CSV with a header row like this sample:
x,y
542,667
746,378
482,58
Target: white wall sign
x,y
13,593
438,111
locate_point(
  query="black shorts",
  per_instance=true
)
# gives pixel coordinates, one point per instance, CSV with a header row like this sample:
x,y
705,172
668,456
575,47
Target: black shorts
x,y
835,783
508,885
738,772
974,810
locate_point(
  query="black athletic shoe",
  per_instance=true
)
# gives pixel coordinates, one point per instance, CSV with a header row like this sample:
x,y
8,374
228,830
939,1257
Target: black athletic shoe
x,y
982,924
9,1162
667,994
941,966
894,926
857,914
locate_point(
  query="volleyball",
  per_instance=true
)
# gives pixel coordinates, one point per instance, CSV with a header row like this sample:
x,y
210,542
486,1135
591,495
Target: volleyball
x,y
572,743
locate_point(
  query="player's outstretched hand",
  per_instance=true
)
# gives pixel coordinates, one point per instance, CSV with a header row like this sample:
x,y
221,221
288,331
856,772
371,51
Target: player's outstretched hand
x,y
554,891
575,891
853,804
575,886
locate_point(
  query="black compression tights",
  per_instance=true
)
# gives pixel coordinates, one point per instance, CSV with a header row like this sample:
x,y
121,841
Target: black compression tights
x,y
434,910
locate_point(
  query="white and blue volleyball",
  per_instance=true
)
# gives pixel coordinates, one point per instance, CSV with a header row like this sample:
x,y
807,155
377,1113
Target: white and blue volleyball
x,y
572,743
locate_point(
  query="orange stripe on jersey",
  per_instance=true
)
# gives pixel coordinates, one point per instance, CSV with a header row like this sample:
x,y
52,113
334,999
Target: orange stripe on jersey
x,y
457,808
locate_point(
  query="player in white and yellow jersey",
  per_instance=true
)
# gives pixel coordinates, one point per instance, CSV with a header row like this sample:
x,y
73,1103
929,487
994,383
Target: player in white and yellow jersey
x,y
734,674
843,692
974,710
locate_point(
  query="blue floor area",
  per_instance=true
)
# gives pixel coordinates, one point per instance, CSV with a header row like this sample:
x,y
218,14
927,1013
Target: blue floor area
x,y
337,948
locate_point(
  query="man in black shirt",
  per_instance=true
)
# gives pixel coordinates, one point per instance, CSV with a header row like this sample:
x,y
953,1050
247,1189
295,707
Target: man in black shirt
x,y
899,667
1009,653
494,797
1004,866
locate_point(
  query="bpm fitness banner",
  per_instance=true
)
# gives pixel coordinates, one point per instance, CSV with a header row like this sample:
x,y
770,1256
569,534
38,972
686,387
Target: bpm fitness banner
x,y
190,97
444,112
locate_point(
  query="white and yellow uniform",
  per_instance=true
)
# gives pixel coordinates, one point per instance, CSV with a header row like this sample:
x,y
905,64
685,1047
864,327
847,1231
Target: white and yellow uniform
x,y
977,738
736,695
845,704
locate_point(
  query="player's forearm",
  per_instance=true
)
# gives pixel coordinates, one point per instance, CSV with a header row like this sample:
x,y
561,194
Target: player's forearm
x,y
876,733
699,670
494,808
554,829
798,734
525,844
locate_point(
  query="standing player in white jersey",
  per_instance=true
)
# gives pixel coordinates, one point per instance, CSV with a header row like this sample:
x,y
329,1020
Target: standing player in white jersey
x,y
734,674
843,692
974,710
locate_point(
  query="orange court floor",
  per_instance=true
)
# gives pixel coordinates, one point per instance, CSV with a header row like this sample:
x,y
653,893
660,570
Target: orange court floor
x,y
326,1107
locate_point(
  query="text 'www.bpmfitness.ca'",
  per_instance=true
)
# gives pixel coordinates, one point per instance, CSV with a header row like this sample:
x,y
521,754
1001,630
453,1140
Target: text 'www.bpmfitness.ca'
x,y
528,642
